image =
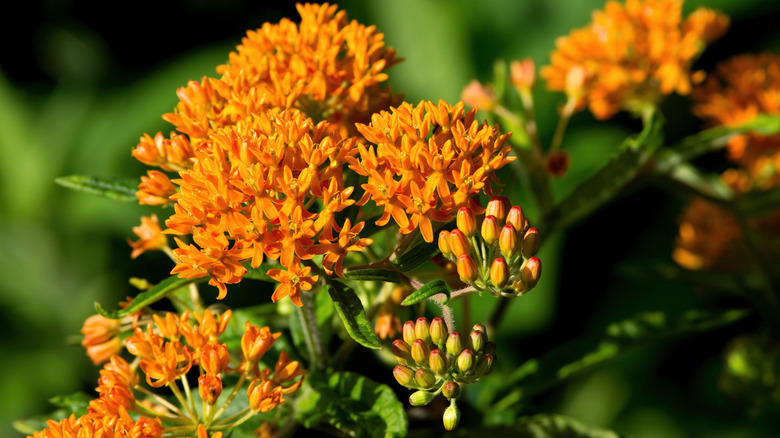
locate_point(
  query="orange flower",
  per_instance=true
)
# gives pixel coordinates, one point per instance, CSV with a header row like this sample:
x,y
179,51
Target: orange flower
x,y
631,54
434,150
387,322
256,341
292,281
155,189
167,364
264,396
286,371
151,236
348,240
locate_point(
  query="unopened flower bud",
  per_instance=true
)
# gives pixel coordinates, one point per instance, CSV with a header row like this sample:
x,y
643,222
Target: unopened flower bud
x,y
516,218
451,390
459,243
437,361
480,327
422,330
420,352
465,361
402,352
404,376
451,417
531,272
557,164
490,229
408,332
478,96
466,221
490,348
522,73
444,243
530,243
421,398
425,378
485,365
438,331
575,81
454,344
467,269
498,206
508,241
478,340
499,272
209,388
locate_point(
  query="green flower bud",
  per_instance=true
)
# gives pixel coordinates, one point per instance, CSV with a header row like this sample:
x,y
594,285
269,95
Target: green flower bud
x,y
485,365
465,361
478,340
451,390
420,352
438,331
451,417
408,332
404,376
422,330
454,344
421,398
402,352
437,361
425,378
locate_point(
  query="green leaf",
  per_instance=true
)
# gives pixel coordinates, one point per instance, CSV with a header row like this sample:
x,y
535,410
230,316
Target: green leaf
x,y
323,313
68,404
566,361
350,310
758,202
666,271
558,426
426,291
416,256
146,298
612,179
383,275
706,185
352,403
118,189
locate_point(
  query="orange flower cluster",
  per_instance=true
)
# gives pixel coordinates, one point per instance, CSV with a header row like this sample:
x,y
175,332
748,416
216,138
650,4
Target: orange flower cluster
x,y
441,156
631,54
741,88
709,238
121,425
102,336
258,183
326,66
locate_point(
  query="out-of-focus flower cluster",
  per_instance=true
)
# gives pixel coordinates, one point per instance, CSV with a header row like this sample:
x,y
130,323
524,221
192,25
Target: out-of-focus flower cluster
x,y
710,236
631,54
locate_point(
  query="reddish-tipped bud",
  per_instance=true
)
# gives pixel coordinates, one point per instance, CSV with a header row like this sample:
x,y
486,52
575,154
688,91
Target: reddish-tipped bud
x,y
424,378
485,365
402,352
491,228
422,330
444,243
454,344
467,269
209,388
459,243
465,361
421,398
420,352
408,332
451,417
498,206
479,96
478,340
437,361
404,376
466,221
438,331
508,241
499,272
531,272
522,74
530,244
516,218
557,164
451,390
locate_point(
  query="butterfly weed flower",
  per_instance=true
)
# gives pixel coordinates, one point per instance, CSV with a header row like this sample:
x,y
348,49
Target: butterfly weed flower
x,y
632,54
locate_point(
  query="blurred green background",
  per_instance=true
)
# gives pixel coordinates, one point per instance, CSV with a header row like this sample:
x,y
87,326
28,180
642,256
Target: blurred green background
x,y
79,84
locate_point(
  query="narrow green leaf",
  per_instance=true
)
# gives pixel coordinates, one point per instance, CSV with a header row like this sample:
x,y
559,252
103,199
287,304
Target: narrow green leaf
x,y
350,310
146,298
428,290
384,275
416,256
706,185
352,403
758,202
118,189
558,426
612,179
566,361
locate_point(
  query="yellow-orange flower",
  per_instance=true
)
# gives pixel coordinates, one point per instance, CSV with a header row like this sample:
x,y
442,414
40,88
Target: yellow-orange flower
x,y
155,189
291,282
441,156
631,54
150,234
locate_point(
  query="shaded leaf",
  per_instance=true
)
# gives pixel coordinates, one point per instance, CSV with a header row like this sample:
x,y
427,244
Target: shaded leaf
x,y
613,178
706,185
758,202
146,298
667,271
384,275
426,291
68,404
558,426
323,313
352,403
350,310
118,189
416,256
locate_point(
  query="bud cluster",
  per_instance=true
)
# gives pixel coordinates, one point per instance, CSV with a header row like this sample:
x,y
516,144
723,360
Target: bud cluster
x,y
497,252
433,361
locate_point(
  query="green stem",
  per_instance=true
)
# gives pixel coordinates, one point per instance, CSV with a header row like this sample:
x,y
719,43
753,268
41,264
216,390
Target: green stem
x,y
233,395
168,405
186,385
311,333
177,392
